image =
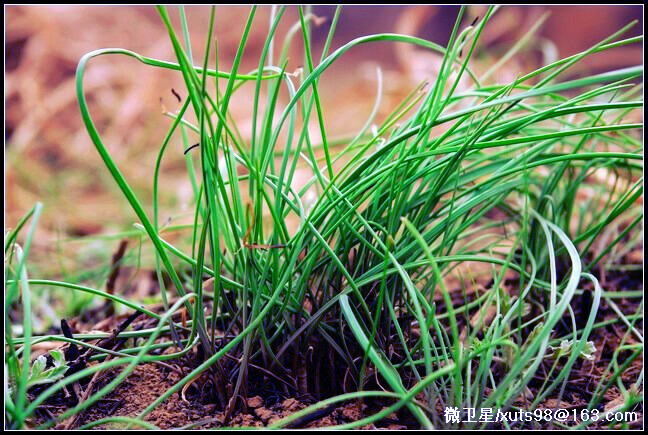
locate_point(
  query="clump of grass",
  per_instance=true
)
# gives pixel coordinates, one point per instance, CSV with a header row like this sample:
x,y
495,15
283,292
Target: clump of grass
x,y
352,301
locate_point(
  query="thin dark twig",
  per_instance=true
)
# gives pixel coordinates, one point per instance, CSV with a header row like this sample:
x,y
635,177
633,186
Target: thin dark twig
x,y
191,147
116,263
72,352
110,340
315,415
173,91
117,257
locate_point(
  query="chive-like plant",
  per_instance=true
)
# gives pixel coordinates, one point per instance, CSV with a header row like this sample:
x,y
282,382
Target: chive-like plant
x,y
345,294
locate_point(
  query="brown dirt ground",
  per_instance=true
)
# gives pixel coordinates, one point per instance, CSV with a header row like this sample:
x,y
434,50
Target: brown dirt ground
x,y
150,381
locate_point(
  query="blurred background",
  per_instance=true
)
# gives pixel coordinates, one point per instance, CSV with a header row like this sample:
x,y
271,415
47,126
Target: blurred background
x,y
50,158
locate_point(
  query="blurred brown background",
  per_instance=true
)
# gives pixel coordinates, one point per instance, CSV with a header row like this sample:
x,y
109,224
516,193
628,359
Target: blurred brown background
x,y
50,158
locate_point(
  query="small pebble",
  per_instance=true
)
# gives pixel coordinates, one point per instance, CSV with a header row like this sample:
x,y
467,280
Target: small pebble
x,y
264,414
255,402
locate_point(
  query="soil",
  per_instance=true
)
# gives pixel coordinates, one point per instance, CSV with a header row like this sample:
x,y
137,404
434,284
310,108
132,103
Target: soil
x,y
266,404
150,381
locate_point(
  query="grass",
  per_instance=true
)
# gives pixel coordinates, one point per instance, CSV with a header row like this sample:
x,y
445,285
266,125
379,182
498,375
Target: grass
x,y
518,181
